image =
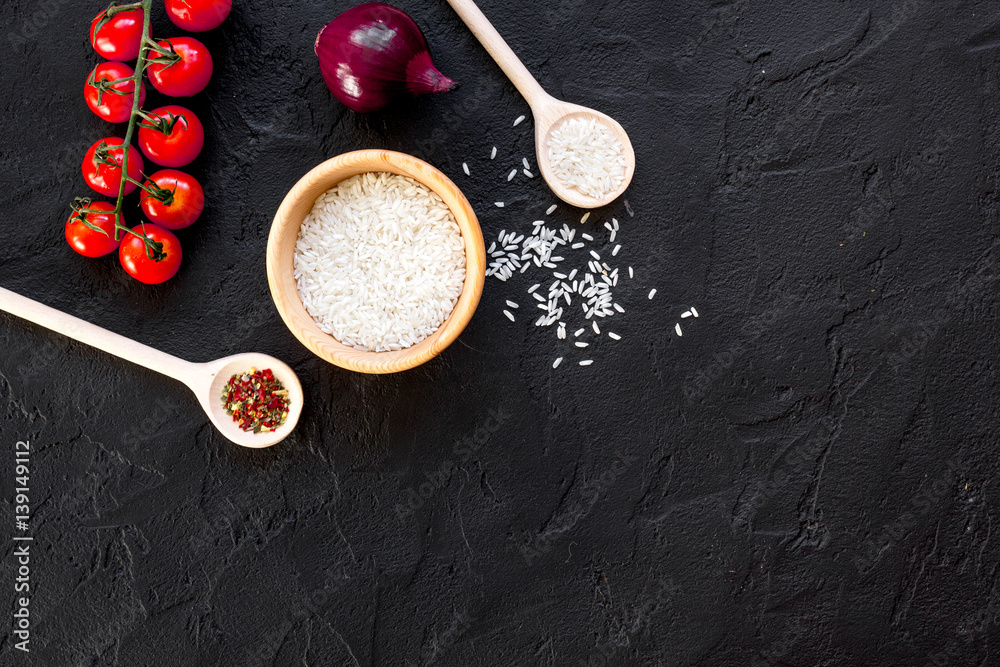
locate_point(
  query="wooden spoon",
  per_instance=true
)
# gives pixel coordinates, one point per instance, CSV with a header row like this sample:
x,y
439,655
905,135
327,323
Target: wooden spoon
x,y
205,380
549,112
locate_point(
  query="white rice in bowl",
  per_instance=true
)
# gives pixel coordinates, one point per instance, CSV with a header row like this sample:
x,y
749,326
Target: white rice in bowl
x,y
380,262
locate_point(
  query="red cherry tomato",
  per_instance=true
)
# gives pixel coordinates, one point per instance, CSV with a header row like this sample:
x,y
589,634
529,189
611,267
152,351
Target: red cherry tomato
x,y
110,106
102,167
189,75
136,261
198,15
182,207
118,37
89,242
182,141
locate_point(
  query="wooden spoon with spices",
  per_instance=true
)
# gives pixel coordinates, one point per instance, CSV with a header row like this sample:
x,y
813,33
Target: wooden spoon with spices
x,y
205,380
549,112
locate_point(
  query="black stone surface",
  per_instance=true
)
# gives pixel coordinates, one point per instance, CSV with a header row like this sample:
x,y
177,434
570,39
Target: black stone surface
x,y
807,477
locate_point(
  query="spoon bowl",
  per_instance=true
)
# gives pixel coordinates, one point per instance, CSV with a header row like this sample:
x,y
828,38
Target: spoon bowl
x,y
213,376
549,114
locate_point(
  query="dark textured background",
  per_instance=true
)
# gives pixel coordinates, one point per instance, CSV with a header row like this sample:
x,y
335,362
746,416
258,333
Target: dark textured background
x,y
806,477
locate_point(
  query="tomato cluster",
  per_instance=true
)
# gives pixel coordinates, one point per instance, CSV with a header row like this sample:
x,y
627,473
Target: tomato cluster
x,y
170,136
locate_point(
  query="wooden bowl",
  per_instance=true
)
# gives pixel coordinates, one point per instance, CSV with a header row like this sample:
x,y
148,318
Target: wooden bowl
x,y
281,252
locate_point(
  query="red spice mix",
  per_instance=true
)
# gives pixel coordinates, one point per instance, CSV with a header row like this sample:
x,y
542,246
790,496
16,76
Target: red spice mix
x,y
256,400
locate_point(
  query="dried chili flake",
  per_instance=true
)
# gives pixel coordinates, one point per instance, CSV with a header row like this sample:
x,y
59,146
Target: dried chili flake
x,y
256,400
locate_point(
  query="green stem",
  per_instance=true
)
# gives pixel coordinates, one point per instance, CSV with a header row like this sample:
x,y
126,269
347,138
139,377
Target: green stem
x,y
140,69
163,195
118,9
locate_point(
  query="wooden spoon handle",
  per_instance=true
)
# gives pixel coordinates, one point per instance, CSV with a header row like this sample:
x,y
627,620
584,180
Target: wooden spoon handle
x,y
498,49
95,336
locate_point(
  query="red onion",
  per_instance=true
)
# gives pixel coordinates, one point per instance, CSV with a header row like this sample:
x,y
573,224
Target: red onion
x,y
374,54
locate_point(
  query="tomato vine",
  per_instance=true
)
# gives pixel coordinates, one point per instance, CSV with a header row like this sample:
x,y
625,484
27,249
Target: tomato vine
x,y
82,206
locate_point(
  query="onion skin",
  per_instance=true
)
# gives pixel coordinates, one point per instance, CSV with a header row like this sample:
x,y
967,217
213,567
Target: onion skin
x,y
373,55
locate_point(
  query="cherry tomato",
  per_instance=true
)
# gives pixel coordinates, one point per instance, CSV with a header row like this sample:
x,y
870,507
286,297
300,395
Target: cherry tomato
x,y
118,37
185,204
180,145
198,15
189,75
110,106
106,178
136,261
89,242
